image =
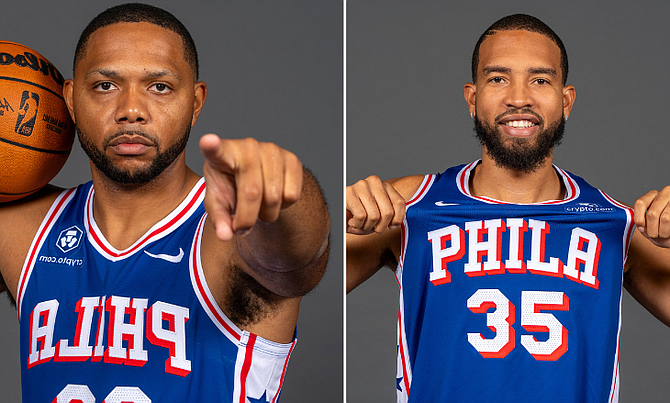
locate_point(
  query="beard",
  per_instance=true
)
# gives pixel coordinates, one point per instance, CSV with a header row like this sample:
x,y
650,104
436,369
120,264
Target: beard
x,y
521,153
146,174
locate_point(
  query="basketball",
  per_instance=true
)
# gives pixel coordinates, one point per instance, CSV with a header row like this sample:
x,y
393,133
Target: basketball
x,y
36,132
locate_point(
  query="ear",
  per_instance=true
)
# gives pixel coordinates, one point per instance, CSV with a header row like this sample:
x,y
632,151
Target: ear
x,y
68,89
569,96
199,100
469,93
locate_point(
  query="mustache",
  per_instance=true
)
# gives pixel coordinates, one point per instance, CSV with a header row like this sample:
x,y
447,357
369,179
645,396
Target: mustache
x,y
522,111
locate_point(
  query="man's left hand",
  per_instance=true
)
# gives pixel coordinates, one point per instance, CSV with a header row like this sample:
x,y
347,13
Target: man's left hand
x,y
652,216
247,180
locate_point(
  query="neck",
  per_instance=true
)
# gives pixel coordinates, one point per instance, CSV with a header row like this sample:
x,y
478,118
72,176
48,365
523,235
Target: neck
x,y
513,186
126,212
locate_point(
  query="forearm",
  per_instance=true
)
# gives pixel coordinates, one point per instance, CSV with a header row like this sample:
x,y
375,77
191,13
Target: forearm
x,y
295,242
647,276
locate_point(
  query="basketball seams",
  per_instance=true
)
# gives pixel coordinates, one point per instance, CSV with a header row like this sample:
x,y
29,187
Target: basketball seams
x,y
36,131
41,150
18,80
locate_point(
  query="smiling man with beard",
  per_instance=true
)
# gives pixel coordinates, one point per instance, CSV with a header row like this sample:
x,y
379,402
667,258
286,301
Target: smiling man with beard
x,y
150,283
510,268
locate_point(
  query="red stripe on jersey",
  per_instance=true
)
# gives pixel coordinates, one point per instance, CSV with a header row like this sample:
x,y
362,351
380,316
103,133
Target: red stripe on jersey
x,y
402,354
199,281
283,372
36,246
246,366
425,186
148,237
631,216
403,237
571,187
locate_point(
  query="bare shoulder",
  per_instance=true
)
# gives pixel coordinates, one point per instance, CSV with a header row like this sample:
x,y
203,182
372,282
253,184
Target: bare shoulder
x,y
25,214
407,186
367,253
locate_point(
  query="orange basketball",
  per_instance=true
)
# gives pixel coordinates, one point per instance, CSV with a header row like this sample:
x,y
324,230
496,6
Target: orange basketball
x,y
36,132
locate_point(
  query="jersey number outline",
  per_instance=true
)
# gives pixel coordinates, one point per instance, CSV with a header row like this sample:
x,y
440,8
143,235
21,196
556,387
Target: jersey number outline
x,y
82,394
500,321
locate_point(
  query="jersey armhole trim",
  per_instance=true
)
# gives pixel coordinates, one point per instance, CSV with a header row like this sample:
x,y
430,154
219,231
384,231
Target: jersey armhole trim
x,y
423,189
211,307
48,222
630,223
426,183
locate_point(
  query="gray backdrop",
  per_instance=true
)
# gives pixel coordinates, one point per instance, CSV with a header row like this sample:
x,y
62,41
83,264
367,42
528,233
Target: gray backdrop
x,y
274,72
406,66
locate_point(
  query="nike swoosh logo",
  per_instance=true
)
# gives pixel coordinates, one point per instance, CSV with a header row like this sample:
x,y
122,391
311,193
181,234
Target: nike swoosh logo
x,y
169,258
443,204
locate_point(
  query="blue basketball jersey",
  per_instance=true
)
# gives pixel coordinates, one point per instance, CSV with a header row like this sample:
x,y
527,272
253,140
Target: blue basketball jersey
x,y
137,325
508,302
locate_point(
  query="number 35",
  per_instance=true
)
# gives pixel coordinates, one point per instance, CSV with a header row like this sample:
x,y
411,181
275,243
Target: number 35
x,y
532,320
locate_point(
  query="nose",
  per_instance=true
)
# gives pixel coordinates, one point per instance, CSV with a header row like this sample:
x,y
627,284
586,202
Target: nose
x,y
131,107
519,95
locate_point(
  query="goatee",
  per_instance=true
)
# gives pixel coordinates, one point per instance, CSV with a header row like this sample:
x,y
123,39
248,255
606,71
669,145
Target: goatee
x,y
521,154
157,165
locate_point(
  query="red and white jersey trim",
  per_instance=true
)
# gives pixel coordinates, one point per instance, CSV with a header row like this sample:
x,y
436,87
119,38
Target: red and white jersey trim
x,y
403,368
164,227
261,364
630,225
260,368
47,223
463,183
614,390
426,184
207,301
627,236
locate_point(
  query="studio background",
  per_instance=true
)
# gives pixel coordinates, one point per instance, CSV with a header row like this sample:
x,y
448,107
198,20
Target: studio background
x,y
274,72
406,66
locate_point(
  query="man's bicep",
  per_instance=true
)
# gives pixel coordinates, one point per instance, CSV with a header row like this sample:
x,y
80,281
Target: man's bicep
x,y
647,276
366,254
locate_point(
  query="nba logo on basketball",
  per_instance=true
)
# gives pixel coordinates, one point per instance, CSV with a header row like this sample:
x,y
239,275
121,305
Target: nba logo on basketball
x,y
69,239
25,122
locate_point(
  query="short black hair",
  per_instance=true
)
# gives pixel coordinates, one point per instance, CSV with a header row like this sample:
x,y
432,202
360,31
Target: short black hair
x,y
521,22
138,12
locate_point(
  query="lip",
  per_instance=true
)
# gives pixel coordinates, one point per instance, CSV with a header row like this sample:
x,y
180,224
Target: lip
x,y
520,132
130,145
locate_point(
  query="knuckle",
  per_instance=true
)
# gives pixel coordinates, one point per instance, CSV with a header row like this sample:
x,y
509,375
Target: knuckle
x,y
249,142
272,198
373,216
373,179
399,202
652,214
292,195
249,191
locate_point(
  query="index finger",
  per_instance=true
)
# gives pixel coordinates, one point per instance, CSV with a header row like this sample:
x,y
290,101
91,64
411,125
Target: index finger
x,y
248,183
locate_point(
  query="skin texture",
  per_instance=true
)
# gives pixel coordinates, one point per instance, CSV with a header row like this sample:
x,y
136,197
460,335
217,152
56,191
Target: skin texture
x,y
518,79
134,96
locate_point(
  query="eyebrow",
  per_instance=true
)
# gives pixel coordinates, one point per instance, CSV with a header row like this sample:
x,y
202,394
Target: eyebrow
x,y
495,69
532,70
542,70
148,75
